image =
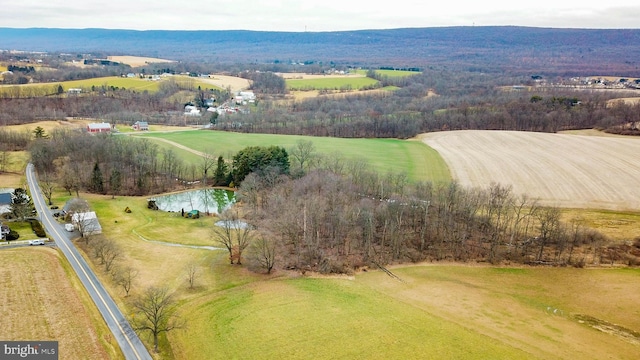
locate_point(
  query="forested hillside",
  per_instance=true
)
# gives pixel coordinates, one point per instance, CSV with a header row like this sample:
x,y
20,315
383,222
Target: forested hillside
x,y
500,48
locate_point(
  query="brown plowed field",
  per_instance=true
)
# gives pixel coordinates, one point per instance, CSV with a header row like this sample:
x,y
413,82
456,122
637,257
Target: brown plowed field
x,y
39,300
558,169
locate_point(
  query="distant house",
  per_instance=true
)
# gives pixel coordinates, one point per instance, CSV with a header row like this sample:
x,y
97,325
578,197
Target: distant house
x,y
247,95
4,231
140,126
95,128
191,110
74,91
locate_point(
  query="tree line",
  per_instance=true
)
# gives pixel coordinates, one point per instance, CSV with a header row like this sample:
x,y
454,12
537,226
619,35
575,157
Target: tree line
x,y
121,165
437,101
339,216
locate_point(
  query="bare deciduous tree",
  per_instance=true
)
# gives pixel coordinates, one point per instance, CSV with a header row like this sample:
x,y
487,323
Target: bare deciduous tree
x,y
223,234
47,186
124,277
155,313
207,162
107,251
548,225
302,154
192,273
231,227
264,252
244,236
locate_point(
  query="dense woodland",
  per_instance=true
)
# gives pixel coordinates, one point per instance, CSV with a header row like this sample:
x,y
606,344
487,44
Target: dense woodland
x,y
339,222
489,49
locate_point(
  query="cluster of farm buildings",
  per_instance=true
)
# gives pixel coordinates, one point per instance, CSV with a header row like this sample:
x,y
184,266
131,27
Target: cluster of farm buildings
x,y
79,215
105,127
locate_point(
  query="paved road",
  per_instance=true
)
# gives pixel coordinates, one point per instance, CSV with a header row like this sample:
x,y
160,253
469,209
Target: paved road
x,y
129,342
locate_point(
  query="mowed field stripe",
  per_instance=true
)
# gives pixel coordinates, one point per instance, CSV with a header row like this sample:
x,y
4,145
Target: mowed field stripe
x,y
558,169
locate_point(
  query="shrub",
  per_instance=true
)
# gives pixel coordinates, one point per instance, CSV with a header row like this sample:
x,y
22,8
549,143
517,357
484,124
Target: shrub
x,y
12,235
37,228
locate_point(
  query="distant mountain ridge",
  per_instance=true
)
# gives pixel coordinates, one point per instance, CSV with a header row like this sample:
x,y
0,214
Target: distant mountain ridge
x,y
487,48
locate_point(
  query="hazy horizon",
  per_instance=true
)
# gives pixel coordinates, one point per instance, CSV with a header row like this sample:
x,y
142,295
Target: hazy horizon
x,y
317,16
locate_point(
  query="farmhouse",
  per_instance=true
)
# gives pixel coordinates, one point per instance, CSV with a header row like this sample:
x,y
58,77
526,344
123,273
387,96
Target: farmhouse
x,y
74,91
87,223
4,231
140,126
99,128
191,110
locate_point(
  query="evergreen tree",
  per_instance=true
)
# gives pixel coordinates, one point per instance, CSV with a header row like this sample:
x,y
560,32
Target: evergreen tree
x,y
39,133
21,206
258,158
115,182
220,176
97,183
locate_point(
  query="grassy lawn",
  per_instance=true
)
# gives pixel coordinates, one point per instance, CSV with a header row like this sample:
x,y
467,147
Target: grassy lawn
x,y
384,155
152,225
23,228
333,83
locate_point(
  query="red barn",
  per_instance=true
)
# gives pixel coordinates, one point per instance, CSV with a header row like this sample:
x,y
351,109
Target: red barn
x,y
99,128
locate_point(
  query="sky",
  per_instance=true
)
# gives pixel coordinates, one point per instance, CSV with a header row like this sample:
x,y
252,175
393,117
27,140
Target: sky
x,y
313,15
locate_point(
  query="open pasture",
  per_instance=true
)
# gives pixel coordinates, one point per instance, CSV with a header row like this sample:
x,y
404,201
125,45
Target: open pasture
x,y
50,125
418,161
331,83
391,73
234,83
134,84
136,61
443,312
42,300
558,169
305,76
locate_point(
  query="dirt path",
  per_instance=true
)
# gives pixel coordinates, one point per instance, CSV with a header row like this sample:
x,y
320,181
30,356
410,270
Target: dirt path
x,y
196,152
559,169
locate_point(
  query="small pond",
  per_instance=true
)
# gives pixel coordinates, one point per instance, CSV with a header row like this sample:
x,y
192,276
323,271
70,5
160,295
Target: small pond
x,y
205,200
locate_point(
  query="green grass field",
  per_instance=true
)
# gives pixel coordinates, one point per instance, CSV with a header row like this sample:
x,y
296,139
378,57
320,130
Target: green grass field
x,y
301,318
331,83
439,312
416,159
391,73
134,84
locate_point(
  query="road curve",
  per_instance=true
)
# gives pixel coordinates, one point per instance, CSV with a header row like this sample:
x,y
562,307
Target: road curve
x,y
130,344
